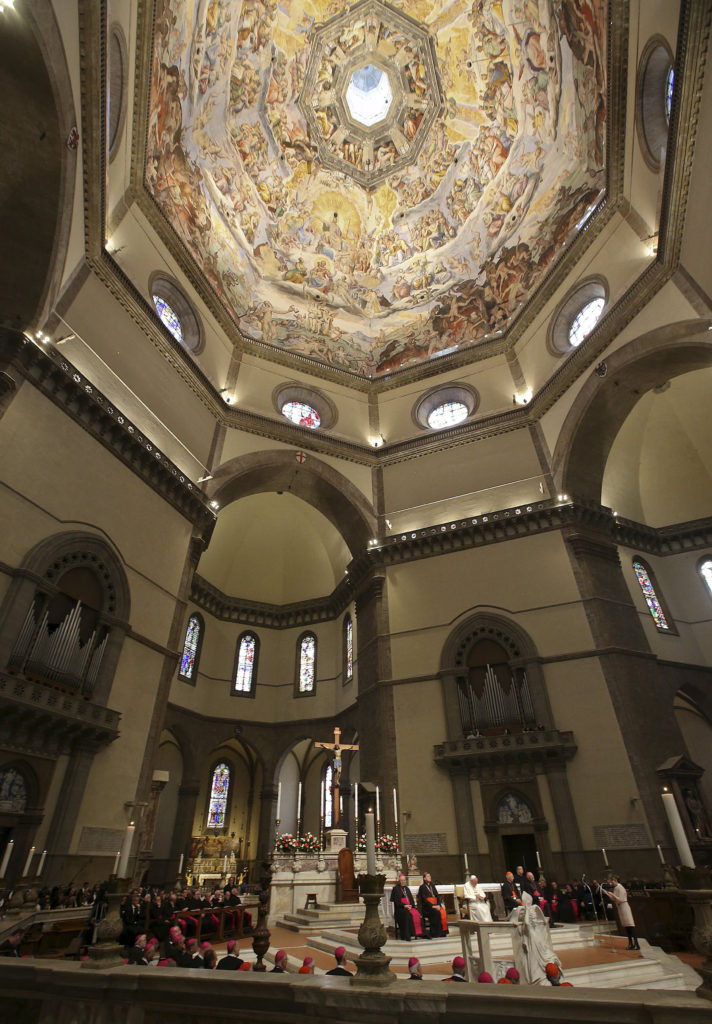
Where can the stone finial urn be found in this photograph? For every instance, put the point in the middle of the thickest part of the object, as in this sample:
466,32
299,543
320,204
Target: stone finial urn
106,951
373,964
696,886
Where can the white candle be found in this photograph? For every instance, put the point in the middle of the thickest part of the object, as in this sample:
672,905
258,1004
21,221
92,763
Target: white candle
279,799
322,799
6,858
677,829
116,861
42,860
180,865
378,805
538,859
126,850
605,857
356,801
28,862
661,855
370,844
467,866
225,864
299,802
395,806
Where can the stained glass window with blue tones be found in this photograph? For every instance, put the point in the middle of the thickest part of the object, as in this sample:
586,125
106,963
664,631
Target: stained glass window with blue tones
585,320
218,796
245,663
669,86
651,598
706,573
169,317
447,415
302,414
349,647
190,647
307,658
328,808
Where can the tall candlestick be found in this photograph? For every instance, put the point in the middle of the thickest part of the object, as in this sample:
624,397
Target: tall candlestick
321,805
395,806
370,844
299,801
677,829
126,850
6,857
378,805
42,860
116,862
356,801
28,862
467,866
538,860
225,864
279,799
180,865
661,855
605,858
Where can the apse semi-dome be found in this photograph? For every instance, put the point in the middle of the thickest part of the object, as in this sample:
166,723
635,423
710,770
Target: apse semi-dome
371,187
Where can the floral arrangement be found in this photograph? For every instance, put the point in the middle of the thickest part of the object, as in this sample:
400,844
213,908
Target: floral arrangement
309,843
387,844
361,843
287,843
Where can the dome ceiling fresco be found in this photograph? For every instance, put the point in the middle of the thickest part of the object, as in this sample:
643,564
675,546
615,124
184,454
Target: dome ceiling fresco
371,186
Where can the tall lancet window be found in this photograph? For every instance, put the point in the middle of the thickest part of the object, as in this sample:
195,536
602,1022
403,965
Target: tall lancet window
219,789
348,649
706,573
306,669
246,664
328,808
191,649
645,579
494,694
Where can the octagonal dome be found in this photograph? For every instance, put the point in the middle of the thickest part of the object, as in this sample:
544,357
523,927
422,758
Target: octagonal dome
370,248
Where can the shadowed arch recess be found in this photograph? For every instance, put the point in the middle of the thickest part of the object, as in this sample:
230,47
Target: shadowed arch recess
604,403
313,481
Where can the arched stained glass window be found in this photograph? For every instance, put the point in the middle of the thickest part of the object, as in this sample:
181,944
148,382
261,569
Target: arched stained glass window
246,663
191,648
328,808
348,649
169,317
669,87
651,598
307,663
706,573
220,786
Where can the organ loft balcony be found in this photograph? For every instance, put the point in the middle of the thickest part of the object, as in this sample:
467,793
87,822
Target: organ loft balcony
507,752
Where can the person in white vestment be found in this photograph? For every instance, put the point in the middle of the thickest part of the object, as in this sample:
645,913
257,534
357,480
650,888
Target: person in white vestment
476,900
532,944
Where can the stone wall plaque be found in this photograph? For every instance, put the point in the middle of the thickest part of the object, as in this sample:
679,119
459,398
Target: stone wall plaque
100,840
621,837
425,842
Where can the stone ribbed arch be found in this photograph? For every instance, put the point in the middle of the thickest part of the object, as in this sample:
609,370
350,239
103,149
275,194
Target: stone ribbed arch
522,652
320,485
604,403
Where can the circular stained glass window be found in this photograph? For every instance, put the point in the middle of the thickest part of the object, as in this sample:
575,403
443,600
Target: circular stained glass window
169,317
669,86
447,415
302,414
585,320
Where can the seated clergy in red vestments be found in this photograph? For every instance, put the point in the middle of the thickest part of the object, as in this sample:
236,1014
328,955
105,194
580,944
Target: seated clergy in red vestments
432,907
404,911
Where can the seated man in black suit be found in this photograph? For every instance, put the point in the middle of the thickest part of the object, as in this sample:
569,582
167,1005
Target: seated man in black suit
432,907
511,893
340,969
231,961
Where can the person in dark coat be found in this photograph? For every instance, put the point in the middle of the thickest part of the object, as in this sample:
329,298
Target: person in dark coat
511,895
11,945
231,961
280,962
432,908
340,969
404,911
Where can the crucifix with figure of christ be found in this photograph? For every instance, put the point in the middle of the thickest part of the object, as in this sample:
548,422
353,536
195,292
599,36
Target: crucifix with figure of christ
336,777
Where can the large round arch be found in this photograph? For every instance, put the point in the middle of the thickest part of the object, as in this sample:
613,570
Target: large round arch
604,402
321,486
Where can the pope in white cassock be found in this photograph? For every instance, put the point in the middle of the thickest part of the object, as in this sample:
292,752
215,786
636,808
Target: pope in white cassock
476,899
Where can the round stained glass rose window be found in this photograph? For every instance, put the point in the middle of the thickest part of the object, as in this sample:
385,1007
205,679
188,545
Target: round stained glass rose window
585,320
447,415
302,414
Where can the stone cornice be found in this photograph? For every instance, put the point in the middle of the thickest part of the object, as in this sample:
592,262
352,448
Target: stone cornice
57,379
526,750
609,532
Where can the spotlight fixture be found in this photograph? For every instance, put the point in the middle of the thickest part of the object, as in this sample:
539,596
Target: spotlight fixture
204,479
214,504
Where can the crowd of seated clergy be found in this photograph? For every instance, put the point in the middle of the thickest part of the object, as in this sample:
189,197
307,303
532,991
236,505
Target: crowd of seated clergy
198,913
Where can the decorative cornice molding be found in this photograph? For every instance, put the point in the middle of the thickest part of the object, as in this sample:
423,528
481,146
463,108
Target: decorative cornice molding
527,750
367,570
77,397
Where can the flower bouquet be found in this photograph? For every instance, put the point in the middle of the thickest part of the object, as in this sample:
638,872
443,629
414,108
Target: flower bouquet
287,843
309,843
387,844
361,843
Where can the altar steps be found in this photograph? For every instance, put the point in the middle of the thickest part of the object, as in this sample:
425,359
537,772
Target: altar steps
315,920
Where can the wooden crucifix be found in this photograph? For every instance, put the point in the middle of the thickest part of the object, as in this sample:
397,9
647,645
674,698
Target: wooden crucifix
336,766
